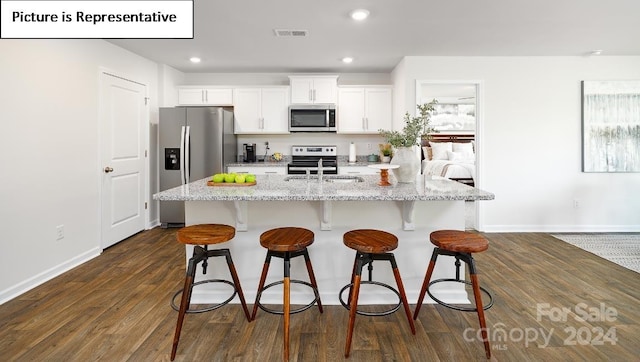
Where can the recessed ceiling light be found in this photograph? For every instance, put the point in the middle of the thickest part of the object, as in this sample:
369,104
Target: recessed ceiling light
195,60
359,14
347,60
596,52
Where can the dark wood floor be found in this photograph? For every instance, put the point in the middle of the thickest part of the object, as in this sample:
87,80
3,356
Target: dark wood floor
115,308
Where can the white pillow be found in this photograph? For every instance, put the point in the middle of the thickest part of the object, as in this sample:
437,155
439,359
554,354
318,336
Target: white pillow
465,148
460,157
455,156
440,149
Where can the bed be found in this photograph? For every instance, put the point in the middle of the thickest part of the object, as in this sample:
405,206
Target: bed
451,156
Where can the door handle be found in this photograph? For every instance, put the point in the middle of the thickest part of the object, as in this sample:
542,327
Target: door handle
108,169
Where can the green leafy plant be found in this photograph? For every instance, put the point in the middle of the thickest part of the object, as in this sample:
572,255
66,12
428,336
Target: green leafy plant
386,150
415,128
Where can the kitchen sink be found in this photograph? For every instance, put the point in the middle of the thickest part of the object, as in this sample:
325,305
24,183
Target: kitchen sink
326,178
343,179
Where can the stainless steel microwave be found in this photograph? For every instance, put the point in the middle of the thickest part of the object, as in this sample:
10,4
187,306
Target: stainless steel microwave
312,118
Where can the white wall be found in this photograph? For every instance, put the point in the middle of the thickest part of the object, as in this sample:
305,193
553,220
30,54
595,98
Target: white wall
50,147
532,141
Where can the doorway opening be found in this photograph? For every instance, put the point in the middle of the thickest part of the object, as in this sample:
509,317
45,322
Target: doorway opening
458,117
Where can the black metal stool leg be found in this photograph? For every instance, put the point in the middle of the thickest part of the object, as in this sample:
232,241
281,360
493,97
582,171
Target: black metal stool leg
425,284
353,275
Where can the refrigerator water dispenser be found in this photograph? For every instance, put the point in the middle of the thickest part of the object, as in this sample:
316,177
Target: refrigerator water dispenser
172,158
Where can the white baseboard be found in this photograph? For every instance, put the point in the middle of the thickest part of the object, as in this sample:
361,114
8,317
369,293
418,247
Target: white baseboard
47,275
152,224
561,228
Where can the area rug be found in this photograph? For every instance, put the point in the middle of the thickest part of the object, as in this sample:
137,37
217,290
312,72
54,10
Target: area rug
622,249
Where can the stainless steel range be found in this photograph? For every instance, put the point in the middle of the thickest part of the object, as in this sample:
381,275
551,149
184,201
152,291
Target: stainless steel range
306,158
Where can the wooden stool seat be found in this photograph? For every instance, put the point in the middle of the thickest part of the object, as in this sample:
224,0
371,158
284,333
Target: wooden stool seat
370,241
206,234
286,239
459,241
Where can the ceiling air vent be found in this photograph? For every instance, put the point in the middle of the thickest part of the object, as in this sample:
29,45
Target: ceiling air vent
290,32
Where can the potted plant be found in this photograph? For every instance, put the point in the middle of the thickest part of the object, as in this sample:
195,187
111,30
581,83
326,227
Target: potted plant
386,152
404,142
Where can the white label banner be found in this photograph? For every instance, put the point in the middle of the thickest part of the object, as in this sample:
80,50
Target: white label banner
124,19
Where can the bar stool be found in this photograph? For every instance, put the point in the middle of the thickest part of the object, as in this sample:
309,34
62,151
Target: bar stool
371,245
197,235
286,243
461,245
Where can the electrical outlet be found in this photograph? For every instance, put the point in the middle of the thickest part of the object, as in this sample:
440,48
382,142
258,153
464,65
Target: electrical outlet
577,203
59,232
369,146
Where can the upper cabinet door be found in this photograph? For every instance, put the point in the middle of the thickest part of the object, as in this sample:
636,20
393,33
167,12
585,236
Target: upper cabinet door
351,115
246,110
261,110
205,96
325,90
378,109
313,89
275,110
187,96
364,110
219,96
301,90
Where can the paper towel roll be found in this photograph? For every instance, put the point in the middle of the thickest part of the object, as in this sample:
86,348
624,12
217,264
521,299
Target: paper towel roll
352,152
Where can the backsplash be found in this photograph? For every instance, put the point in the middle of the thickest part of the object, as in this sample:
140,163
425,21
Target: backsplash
365,144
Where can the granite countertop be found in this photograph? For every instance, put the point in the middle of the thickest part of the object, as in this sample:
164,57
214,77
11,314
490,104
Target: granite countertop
277,188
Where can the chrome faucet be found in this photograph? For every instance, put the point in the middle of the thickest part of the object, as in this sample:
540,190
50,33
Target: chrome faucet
320,170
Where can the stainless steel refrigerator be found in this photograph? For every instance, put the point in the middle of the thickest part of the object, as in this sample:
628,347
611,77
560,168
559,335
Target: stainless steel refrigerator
195,142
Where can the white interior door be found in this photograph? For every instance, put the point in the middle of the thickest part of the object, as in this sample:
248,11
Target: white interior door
122,116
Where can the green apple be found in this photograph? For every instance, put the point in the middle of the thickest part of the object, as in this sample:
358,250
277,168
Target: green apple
250,178
230,177
240,178
219,177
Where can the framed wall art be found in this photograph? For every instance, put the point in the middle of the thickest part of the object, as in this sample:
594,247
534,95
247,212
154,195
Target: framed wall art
611,126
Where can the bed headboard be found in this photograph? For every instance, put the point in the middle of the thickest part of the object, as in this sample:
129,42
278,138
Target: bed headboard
449,137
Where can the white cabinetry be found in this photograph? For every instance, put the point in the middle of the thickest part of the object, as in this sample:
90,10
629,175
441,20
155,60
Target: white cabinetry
313,89
205,96
364,110
357,170
259,170
261,110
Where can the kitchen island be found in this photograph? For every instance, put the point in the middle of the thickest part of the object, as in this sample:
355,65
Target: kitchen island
329,207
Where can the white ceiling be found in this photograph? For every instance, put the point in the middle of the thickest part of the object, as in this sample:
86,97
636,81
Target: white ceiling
237,35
